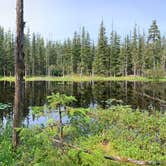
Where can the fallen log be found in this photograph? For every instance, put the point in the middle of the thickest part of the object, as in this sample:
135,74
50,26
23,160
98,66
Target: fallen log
113,158
128,160
151,97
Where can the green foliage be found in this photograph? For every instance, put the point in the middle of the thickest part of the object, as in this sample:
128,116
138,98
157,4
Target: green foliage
38,110
101,60
80,121
7,154
115,57
116,131
56,100
5,106
155,74
154,57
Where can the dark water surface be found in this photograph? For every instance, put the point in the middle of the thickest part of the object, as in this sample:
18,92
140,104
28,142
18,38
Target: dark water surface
146,96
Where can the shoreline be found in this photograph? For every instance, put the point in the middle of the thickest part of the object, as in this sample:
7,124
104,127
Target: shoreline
85,79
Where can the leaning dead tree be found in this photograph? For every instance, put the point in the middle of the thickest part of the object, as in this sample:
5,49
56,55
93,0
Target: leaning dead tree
19,69
113,158
129,160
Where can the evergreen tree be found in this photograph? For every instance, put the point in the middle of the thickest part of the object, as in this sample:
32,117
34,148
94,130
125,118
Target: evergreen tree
128,56
2,62
141,54
90,52
115,56
27,53
79,55
86,54
67,57
83,65
134,51
101,61
33,55
51,58
154,46
9,53
76,51
163,53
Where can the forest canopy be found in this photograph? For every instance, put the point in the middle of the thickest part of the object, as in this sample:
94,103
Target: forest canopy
135,54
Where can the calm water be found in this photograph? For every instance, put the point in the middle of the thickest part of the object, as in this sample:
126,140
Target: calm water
88,94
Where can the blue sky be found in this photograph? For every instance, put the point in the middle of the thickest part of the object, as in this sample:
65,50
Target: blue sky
58,19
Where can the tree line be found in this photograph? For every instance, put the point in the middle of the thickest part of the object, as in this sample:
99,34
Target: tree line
112,55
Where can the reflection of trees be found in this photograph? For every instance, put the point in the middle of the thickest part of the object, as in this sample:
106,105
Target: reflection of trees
101,93
82,91
156,90
6,92
109,90
85,93
6,96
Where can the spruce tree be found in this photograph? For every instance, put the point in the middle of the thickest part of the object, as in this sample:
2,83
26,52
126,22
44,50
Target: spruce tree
67,57
115,56
27,52
2,62
76,51
154,45
134,51
101,60
33,55
9,53
141,54
128,56
89,52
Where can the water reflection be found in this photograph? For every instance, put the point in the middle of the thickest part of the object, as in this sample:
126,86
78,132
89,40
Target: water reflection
18,109
88,94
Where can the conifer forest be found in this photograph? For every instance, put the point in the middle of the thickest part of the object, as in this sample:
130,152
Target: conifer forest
112,55
93,98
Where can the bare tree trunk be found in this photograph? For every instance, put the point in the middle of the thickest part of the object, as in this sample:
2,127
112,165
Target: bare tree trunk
18,109
19,70
60,125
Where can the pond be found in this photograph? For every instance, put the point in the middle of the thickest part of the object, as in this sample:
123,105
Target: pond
143,95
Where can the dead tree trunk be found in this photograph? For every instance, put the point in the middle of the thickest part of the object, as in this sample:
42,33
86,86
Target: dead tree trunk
19,57
19,69
60,124
128,160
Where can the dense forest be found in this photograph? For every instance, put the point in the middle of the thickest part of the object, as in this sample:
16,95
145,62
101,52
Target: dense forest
113,55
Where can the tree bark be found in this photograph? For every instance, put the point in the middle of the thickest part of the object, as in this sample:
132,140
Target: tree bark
60,124
19,70
128,160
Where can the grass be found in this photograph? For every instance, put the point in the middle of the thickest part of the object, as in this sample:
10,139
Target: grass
77,78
